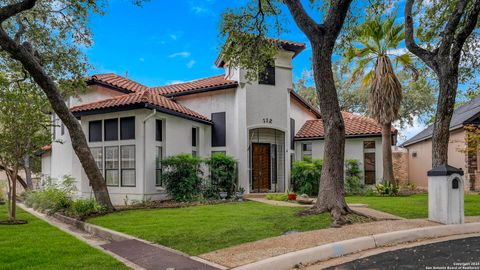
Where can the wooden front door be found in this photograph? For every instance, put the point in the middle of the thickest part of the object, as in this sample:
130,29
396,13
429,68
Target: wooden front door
260,167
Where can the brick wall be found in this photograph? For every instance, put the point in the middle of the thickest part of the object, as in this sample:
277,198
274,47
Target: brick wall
400,164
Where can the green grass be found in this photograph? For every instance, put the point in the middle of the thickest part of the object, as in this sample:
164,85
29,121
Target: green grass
201,229
415,206
38,245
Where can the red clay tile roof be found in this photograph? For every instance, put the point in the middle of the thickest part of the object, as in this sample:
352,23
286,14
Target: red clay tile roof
355,126
211,83
147,98
116,81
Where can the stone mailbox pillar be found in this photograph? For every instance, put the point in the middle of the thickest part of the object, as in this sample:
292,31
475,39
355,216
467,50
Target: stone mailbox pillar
445,195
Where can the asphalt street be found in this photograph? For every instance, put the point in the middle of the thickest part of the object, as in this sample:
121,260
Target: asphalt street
454,254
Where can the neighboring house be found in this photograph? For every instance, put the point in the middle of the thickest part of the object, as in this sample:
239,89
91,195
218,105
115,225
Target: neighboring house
264,125
459,155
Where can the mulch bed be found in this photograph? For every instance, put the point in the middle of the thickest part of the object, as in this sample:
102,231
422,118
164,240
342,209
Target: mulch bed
14,222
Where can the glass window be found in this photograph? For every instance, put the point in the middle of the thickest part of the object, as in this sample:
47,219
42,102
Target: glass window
127,128
369,145
158,167
158,130
95,131
128,165
111,165
219,129
306,150
194,136
62,129
369,168
111,129
267,76
97,153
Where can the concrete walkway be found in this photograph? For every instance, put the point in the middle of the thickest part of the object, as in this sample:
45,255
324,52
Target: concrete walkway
135,253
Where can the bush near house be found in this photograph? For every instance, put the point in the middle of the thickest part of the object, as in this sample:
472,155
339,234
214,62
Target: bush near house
54,198
182,176
185,179
305,176
223,173
353,179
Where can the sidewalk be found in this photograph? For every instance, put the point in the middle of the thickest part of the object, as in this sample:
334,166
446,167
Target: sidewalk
135,253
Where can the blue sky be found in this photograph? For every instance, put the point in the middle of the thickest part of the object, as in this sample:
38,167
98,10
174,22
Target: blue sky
166,42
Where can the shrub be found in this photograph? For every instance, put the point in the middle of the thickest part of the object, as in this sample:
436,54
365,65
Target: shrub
223,174
277,197
182,176
353,176
84,207
53,197
306,176
387,189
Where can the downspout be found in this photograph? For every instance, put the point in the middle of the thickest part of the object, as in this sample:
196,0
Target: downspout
145,149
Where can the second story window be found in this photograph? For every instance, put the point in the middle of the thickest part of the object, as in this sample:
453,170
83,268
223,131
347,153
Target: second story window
306,150
158,130
127,128
111,129
95,131
267,76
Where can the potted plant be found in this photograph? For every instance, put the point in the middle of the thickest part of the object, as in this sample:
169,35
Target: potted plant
291,196
223,194
239,193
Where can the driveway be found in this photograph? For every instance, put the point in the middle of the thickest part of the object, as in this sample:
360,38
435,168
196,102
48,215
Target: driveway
453,254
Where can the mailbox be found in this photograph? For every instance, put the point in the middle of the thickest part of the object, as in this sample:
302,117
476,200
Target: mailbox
446,195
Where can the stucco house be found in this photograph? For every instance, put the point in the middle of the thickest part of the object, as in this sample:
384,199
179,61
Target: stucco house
264,125
460,153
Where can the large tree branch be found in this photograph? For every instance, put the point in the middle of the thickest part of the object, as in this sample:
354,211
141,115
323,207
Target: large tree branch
9,11
451,27
303,20
336,17
19,178
426,55
470,23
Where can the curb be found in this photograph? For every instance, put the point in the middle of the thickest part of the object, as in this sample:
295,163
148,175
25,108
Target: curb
338,249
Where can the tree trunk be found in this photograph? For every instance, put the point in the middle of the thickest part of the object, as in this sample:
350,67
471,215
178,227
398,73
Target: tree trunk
28,171
448,82
79,142
387,154
331,195
19,178
13,196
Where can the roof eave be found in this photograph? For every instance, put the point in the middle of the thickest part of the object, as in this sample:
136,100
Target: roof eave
201,90
346,136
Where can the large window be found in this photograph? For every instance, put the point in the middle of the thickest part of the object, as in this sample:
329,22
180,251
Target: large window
127,128
306,150
218,129
267,76
95,131
97,153
292,133
158,130
128,165
158,167
111,129
111,165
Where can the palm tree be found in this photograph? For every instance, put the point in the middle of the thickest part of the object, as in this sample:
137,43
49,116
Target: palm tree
377,40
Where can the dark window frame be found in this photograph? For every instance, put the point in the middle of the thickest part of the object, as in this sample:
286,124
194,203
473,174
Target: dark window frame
97,137
134,169
219,129
107,122
124,129
195,137
267,77
159,130
158,166
116,169
292,134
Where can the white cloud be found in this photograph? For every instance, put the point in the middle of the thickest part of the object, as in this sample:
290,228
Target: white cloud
141,59
398,51
173,36
191,63
175,82
199,7
180,54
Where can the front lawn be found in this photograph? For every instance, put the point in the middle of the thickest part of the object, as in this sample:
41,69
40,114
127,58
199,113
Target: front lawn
38,245
201,229
414,206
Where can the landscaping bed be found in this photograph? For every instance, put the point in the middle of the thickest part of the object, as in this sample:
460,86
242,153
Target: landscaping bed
414,206
41,246
201,229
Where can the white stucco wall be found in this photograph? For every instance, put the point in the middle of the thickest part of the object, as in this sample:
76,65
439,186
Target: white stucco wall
353,150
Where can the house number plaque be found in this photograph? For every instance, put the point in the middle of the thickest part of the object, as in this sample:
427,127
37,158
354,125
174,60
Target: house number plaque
267,120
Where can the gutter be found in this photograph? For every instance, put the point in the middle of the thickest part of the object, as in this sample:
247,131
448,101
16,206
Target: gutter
145,148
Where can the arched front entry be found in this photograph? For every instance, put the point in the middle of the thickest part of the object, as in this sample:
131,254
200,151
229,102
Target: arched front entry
267,160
